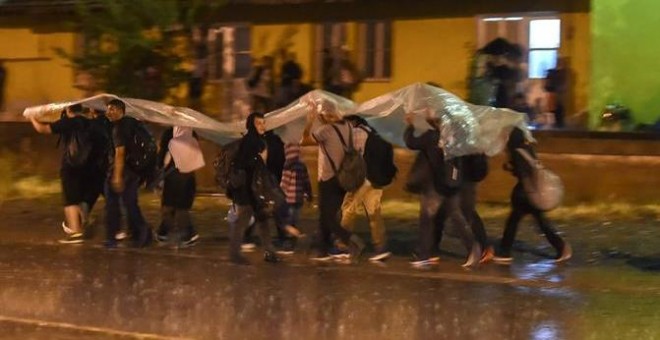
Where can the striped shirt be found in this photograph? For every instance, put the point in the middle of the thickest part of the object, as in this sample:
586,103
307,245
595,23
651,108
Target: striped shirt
295,178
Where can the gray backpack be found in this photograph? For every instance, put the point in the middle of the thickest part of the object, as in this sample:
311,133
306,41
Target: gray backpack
353,170
544,188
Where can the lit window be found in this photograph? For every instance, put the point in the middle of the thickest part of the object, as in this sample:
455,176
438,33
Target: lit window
539,35
544,40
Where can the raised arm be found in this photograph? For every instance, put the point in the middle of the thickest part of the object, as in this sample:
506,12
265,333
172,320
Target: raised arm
40,127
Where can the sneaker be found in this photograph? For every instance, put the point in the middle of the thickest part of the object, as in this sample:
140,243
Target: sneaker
380,256
434,259
356,248
121,235
421,263
473,257
322,257
565,254
286,247
191,241
502,259
271,257
75,238
248,247
161,238
66,229
338,254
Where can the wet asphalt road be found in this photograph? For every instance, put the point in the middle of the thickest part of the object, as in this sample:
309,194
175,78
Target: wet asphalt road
52,291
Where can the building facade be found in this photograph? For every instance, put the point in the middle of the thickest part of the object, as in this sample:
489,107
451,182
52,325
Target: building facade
393,43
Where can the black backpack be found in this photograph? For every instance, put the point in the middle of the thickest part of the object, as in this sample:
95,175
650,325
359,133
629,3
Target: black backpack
475,167
141,151
78,145
223,166
268,195
352,171
379,157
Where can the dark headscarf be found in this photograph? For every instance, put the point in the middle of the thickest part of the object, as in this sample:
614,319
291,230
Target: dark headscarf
252,143
516,139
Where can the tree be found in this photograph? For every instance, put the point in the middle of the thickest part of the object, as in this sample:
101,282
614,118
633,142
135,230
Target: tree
136,48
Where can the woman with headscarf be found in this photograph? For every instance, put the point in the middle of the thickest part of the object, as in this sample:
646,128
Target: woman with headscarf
521,206
252,154
180,155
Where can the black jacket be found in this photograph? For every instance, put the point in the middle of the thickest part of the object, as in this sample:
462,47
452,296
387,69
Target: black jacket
432,155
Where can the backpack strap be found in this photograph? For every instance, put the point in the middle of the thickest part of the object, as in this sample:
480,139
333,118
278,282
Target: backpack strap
341,138
529,158
349,146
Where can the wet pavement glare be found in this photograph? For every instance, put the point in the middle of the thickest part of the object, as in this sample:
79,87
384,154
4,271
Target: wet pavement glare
52,291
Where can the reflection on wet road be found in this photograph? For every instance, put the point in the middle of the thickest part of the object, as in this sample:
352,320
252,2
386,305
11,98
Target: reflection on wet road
90,292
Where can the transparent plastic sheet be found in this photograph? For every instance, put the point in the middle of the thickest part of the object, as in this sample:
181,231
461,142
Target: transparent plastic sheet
289,122
146,110
465,128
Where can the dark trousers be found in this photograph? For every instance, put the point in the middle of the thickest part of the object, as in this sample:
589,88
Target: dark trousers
430,227
468,202
236,229
451,211
129,198
95,179
281,217
177,219
520,207
331,197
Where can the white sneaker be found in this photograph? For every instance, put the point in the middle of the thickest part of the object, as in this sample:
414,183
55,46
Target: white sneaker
381,256
248,247
121,235
321,258
502,259
66,229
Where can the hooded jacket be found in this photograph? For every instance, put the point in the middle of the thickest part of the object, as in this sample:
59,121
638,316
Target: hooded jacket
246,159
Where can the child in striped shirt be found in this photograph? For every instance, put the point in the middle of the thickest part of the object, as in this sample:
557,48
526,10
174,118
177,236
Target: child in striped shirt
295,183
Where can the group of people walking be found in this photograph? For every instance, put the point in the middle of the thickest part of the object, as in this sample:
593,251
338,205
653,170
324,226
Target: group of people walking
113,155
268,184
447,189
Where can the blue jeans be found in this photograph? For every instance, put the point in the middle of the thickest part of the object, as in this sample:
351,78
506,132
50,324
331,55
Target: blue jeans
129,198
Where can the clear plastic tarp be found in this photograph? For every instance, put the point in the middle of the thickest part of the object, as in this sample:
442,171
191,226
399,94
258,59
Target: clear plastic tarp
150,111
465,128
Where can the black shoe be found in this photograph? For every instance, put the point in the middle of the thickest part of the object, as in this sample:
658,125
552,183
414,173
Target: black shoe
144,240
271,257
110,244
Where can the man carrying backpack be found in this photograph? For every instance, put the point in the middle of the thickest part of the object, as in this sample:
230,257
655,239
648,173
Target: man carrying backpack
334,138
378,155
77,148
249,162
123,180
